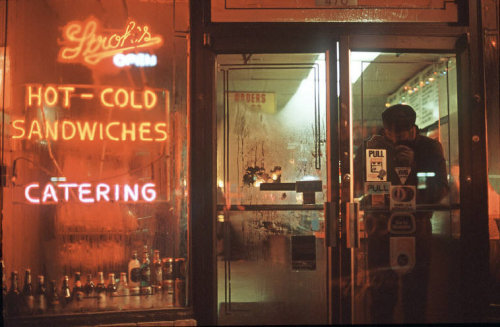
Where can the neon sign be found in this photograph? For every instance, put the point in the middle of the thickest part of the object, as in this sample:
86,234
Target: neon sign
88,43
110,97
136,59
88,193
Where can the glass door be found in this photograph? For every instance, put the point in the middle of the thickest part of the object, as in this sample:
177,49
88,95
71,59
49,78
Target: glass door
400,193
272,185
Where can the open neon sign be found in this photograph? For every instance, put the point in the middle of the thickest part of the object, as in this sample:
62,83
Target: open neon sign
88,43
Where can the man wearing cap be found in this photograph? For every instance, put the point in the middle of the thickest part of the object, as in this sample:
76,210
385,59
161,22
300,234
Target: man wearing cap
404,148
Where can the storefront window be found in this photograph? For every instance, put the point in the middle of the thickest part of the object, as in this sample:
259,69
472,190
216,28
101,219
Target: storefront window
95,158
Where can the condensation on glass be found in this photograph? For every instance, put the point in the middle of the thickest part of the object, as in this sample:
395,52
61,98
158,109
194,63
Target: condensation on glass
95,148
271,183
407,260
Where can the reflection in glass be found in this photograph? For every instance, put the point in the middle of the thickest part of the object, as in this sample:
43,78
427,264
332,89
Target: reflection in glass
271,180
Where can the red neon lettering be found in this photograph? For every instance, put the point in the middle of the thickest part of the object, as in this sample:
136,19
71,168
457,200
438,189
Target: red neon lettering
49,192
103,101
66,90
66,187
123,103
83,190
49,96
148,192
84,42
150,99
129,192
159,129
117,192
144,128
85,131
87,193
112,138
65,124
38,96
20,128
102,191
27,193
132,101
35,129
130,131
51,132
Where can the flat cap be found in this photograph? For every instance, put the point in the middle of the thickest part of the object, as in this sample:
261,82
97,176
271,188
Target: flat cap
401,117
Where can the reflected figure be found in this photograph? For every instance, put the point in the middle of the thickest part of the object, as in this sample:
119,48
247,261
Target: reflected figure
422,156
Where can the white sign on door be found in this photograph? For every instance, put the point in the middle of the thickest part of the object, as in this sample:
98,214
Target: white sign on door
376,165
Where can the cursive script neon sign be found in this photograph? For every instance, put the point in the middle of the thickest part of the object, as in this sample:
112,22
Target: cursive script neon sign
88,43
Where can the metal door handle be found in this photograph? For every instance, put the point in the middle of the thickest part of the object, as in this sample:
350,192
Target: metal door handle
331,218
352,225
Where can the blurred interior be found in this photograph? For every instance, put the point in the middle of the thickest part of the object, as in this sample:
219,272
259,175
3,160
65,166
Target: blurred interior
62,238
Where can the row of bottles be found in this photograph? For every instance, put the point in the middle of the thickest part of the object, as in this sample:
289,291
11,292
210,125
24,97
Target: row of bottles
159,284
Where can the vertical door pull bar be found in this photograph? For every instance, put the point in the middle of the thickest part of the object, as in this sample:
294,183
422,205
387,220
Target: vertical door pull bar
331,219
352,225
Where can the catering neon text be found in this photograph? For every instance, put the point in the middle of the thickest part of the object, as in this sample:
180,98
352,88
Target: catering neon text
89,193
89,43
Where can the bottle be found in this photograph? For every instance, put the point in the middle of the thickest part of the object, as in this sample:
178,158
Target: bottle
13,296
53,297
145,274
168,269
78,288
157,272
180,268
65,292
168,292
40,296
100,287
89,287
134,274
112,287
122,288
100,291
180,282
123,292
28,297
180,292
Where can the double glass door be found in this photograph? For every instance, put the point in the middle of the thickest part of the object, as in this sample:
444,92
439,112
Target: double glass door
305,233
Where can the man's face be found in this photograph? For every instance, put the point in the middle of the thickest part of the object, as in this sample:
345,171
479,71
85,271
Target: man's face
397,136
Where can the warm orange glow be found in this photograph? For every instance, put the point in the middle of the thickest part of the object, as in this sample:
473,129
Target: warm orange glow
90,131
88,43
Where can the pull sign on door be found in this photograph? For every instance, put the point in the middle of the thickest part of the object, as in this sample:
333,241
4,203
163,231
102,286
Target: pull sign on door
376,165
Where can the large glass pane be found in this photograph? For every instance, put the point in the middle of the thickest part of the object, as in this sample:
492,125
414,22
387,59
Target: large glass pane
271,172
406,182
95,152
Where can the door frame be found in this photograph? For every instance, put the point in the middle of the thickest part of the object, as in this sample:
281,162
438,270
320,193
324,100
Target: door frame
474,248
209,39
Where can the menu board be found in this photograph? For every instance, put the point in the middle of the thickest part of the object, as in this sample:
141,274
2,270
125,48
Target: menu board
423,91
